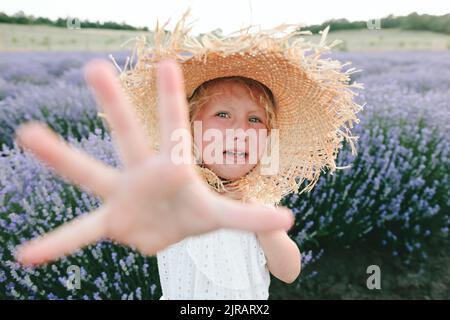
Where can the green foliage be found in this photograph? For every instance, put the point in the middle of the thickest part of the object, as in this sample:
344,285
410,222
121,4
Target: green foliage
21,18
342,274
412,21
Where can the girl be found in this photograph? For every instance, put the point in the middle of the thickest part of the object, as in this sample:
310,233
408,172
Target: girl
216,227
229,264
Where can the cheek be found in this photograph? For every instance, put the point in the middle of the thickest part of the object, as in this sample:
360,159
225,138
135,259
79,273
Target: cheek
257,145
258,138
262,139
212,124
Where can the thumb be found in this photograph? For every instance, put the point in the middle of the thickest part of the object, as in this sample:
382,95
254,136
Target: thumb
252,217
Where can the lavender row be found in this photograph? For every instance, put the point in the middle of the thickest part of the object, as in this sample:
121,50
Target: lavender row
48,87
395,196
34,200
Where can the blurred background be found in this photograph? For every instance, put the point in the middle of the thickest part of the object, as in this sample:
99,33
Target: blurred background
389,210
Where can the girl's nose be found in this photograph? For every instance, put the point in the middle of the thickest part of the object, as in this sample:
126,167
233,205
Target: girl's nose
240,133
241,124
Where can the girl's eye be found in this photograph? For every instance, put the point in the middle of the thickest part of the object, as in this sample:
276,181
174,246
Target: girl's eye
257,120
222,114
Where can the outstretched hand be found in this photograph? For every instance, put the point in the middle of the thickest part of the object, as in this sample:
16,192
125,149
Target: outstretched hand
151,203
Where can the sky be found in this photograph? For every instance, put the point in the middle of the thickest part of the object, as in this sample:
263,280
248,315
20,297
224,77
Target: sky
229,15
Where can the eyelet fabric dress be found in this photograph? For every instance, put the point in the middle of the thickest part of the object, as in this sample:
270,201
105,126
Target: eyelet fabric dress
222,264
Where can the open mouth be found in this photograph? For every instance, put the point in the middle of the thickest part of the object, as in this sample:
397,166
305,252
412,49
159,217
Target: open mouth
235,154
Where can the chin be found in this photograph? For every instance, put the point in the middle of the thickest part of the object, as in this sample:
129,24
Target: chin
230,172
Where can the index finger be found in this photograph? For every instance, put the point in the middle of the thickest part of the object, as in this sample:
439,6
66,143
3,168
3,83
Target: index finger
253,217
67,160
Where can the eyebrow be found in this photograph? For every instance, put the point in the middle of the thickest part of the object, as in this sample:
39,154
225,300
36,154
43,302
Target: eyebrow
253,110
258,110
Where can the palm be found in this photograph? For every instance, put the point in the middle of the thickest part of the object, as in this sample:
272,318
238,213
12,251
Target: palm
153,202
156,214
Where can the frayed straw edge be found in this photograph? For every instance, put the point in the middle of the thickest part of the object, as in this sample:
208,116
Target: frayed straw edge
325,71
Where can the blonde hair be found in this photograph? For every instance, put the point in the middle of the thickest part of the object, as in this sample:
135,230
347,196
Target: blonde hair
264,97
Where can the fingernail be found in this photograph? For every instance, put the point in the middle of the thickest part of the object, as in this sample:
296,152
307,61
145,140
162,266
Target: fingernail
23,133
291,219
165,76
18,255
20,134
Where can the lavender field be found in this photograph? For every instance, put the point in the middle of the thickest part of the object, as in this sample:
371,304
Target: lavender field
394,199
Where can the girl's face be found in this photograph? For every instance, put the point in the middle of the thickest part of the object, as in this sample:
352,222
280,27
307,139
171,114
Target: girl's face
232,113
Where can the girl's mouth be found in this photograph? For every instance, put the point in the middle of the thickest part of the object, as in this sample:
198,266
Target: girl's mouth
235,155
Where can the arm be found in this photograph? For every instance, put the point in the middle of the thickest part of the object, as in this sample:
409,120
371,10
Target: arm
282,254
150,186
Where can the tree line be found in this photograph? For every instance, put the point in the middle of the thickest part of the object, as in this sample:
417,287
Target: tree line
412,21
22,18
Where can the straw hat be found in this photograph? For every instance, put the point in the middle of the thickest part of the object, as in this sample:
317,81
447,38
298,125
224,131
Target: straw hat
314,101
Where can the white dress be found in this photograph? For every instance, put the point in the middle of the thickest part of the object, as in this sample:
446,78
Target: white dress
222,264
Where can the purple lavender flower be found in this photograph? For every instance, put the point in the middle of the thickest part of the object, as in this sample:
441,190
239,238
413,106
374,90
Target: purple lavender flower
396,192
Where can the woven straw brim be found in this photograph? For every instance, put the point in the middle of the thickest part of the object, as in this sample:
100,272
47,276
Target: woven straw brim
314,100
